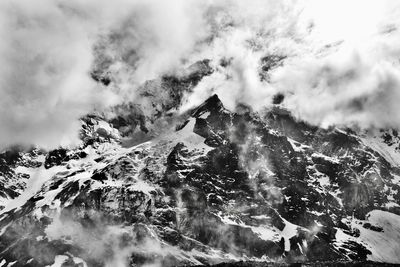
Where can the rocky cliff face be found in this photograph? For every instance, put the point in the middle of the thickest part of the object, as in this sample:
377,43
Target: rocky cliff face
209,186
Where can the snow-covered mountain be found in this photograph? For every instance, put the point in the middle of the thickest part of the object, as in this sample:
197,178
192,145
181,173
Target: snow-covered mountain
206,186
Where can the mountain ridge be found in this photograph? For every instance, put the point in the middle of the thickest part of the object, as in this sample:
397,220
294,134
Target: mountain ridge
222,187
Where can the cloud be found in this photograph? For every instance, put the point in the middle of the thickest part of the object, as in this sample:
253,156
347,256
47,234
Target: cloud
44,81
352,82
49,49
340,60
243,34
348,91
48,52
151,42
340,64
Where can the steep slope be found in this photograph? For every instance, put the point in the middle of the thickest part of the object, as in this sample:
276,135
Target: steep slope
214,186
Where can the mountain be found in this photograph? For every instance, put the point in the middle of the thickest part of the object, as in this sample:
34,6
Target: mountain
149,187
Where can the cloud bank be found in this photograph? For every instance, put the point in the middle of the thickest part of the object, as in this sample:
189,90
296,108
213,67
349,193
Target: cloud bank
339,67
340,62
49,49
352,80
44,86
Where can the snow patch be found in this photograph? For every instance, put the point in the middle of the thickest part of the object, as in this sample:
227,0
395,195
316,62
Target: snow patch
387,152
384,245
189,138
59,260
298,147
38,176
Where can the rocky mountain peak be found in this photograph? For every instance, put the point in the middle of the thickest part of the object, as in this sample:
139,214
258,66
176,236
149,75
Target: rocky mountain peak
222,187
212,105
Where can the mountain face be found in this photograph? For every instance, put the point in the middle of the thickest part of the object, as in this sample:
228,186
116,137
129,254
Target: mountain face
209,186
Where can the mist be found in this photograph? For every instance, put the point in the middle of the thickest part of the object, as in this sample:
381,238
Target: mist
49,49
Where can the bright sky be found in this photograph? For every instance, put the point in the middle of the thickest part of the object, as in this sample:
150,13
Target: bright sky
350,20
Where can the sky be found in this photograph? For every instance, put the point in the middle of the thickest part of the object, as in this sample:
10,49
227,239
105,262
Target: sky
341,65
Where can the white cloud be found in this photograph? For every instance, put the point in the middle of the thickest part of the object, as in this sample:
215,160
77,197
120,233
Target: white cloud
341,65
44,81
47,53
356,81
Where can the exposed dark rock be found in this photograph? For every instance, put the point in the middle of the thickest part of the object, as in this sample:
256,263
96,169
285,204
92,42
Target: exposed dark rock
56,157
